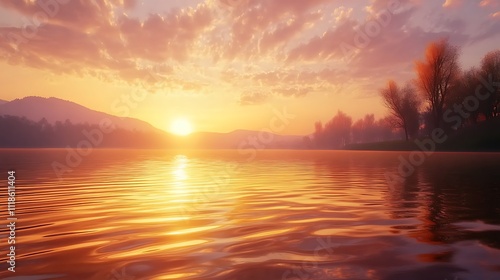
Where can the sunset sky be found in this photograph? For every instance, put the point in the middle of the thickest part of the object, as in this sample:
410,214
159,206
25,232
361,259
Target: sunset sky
225,64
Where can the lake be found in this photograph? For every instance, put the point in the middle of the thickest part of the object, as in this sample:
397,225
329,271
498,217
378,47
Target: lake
155,214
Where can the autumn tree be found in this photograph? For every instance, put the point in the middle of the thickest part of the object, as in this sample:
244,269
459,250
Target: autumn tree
436,75
403,104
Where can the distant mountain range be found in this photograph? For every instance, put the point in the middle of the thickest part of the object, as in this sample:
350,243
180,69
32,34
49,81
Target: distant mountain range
53,109
57,110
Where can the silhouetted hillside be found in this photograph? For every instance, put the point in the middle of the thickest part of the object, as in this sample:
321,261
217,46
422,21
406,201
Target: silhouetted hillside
54,109
481,137
484,136
19,132
52,122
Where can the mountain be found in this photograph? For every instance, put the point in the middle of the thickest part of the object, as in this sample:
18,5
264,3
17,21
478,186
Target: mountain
3,101
53,109
141,134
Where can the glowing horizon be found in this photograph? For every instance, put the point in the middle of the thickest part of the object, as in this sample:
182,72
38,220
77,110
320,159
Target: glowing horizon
181,126
226,65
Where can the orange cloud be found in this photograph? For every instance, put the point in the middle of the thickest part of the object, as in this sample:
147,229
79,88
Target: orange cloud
489,3
255,48
452,3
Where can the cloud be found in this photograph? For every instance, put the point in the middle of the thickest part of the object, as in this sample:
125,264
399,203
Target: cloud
342,13
493,6
352,39
489,3
286,31
393,5
253,98
253,48
88,37
488,30
452,3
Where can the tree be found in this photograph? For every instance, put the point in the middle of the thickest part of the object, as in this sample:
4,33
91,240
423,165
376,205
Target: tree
306,142
436,74
338,130
490,71
358,131
335,134
385,129
319,135
365,130
465,87
403,104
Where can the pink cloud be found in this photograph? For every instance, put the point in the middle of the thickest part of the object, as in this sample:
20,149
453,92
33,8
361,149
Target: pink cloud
86,37
253,47
380,5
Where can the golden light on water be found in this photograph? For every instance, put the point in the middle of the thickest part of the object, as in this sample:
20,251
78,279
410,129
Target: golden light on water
179,176
325,208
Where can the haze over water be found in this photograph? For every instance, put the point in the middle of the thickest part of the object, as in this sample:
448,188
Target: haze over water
154,214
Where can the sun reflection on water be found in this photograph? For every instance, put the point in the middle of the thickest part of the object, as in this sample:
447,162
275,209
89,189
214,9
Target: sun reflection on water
171,215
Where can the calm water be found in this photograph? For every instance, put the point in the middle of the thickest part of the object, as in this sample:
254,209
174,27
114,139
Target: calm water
127,215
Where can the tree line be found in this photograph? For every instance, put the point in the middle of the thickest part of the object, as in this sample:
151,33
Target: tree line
341,131
442,95
20,132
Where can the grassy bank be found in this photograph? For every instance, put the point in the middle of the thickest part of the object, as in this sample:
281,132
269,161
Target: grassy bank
484,137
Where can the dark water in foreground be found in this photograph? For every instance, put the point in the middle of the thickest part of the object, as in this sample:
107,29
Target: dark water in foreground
285,215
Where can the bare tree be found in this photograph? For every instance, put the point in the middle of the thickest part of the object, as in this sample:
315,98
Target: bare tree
466,86
403,104
436,74
490,69
386,129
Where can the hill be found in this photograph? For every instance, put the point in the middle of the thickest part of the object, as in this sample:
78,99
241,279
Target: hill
54,109
52,122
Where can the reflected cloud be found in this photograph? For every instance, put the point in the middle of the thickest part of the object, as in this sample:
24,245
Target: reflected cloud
323,214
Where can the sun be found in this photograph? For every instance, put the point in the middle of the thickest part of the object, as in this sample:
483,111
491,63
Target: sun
181,127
